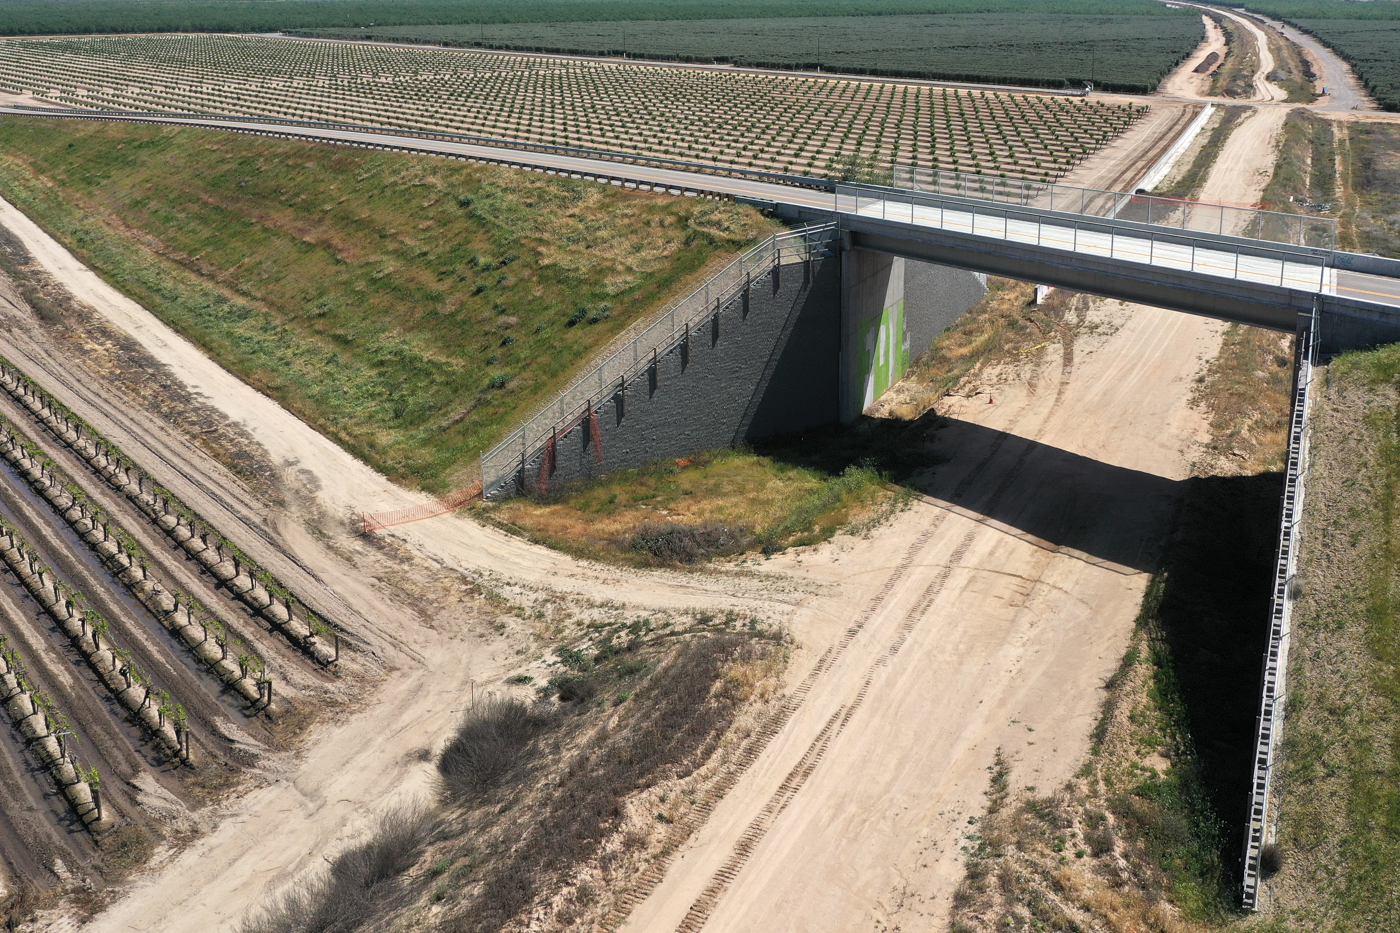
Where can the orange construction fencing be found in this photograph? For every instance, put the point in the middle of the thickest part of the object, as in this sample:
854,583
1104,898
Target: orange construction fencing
373,521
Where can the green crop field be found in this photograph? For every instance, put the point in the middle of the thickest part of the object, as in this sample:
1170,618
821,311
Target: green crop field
49,17
786,123
1123,53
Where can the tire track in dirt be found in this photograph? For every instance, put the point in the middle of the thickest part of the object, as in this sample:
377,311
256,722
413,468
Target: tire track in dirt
704,905
709,898
651,876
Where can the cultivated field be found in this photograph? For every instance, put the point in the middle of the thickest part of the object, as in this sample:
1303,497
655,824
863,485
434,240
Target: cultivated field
1120,53
146,663
784,123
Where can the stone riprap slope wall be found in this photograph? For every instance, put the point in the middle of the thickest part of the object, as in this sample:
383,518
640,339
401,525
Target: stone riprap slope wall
767,363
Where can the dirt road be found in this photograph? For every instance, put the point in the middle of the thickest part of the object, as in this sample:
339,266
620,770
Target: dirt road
1026,567
1184,81
1245,162
1344,91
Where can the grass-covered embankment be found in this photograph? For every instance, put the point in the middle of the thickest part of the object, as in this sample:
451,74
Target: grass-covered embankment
1371,163
410,307
1339,772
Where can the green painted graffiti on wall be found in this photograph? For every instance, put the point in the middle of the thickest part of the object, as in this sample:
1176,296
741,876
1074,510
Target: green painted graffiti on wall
884,352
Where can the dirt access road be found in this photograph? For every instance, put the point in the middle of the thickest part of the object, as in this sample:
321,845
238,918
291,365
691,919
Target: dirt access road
1018,581
1345,93
1023,569
993,608
1184,81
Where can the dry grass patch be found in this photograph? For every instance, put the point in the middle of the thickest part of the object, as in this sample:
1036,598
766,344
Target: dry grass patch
1245,391
713,504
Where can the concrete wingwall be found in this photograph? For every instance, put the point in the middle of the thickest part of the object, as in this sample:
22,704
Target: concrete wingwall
776,360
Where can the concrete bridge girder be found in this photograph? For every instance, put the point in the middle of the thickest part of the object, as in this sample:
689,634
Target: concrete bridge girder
1344,323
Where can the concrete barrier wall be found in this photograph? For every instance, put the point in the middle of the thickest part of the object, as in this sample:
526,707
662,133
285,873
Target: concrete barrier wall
768,363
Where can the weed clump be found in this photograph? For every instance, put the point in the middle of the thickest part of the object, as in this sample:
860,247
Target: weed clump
491,743
361,886
681,712
687,544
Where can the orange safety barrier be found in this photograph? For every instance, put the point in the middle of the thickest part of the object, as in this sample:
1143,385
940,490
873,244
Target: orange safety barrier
378,520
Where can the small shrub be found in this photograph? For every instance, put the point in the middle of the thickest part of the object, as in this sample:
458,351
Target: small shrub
489,746
361,886
574,689
499,380
687,544
1270,860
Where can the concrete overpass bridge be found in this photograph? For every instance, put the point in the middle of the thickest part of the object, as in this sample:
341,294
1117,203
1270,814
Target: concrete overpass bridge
898,246
808,327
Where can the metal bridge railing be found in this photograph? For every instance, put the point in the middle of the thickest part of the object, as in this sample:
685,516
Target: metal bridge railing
1273,687
500,463
1169,247
1304,230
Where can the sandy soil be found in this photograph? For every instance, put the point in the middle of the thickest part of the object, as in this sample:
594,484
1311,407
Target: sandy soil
1028,564
1184,81
1245,163
1122,163
1264,89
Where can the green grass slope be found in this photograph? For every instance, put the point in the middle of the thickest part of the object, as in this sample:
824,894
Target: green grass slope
410,307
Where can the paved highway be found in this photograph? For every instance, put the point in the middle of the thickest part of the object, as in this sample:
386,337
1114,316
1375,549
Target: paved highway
1060,235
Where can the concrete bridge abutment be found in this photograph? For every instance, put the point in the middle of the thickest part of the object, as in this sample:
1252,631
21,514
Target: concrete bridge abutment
807,344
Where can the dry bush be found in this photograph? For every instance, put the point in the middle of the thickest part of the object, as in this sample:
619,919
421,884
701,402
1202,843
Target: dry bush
687,544
490,744
677,719
362,886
